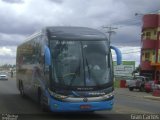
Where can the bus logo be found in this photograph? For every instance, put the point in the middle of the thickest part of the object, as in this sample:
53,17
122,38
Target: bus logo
85,99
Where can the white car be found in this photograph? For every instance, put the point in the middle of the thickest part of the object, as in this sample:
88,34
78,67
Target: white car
3,76
129,81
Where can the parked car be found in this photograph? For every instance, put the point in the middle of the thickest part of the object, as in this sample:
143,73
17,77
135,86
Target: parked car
3,76
151,85
138,83
129,81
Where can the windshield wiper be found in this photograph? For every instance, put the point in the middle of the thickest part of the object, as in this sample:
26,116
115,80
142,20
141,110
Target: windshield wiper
76,73
89,71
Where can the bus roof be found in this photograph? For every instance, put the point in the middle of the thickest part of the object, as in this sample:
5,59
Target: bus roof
75,33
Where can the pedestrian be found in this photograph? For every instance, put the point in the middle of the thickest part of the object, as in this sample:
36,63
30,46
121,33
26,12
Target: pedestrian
11,73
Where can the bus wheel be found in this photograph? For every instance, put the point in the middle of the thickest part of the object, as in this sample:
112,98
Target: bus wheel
21,89
43,104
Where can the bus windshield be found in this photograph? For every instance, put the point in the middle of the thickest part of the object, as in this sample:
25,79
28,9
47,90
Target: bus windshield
80,63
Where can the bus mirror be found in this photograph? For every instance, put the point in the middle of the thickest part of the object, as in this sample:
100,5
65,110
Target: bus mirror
47,56
118,54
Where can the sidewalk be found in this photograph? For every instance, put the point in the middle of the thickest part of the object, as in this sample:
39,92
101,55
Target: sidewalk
136,94
152,97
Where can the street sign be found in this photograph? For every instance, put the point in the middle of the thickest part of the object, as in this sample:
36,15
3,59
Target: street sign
125,69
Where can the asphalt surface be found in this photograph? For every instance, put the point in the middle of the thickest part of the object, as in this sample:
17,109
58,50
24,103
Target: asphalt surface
126,103
135,102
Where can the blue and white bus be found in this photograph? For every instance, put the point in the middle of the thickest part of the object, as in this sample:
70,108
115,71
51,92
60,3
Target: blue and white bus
67,69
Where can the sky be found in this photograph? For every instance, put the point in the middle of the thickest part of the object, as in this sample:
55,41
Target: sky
21,18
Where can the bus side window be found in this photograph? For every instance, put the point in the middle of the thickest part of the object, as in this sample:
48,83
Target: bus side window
29,56
36,52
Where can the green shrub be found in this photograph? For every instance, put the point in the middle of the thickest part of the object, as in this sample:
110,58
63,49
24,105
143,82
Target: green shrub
117,83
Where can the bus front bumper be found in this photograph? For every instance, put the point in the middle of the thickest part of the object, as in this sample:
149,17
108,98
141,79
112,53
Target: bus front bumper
58,106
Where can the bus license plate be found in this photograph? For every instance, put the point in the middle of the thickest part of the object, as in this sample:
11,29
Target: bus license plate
85,106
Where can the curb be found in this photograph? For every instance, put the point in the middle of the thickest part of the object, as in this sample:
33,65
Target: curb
152,97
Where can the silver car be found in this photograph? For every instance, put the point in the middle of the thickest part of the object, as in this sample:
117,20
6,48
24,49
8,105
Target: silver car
3,76
138,83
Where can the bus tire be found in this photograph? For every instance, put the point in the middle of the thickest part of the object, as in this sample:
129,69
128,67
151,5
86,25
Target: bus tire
21,89
44,107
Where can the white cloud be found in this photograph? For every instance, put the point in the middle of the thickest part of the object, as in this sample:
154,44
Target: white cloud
7,51
129,54
20,20
7,55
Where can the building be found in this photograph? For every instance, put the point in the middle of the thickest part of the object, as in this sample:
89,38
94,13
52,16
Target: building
150,50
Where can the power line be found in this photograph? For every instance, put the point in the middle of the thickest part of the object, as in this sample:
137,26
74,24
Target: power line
132,41
131,52
154,11
131,21
137,47
128,47
135,21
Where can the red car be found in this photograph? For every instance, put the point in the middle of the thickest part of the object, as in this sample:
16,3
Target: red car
149,86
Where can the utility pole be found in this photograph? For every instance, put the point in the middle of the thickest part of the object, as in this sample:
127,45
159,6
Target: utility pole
110,31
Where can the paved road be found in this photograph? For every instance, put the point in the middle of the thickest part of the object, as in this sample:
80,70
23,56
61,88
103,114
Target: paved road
135,102
12,103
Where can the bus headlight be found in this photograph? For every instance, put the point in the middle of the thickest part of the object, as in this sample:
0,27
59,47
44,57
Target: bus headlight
57,96
109,95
